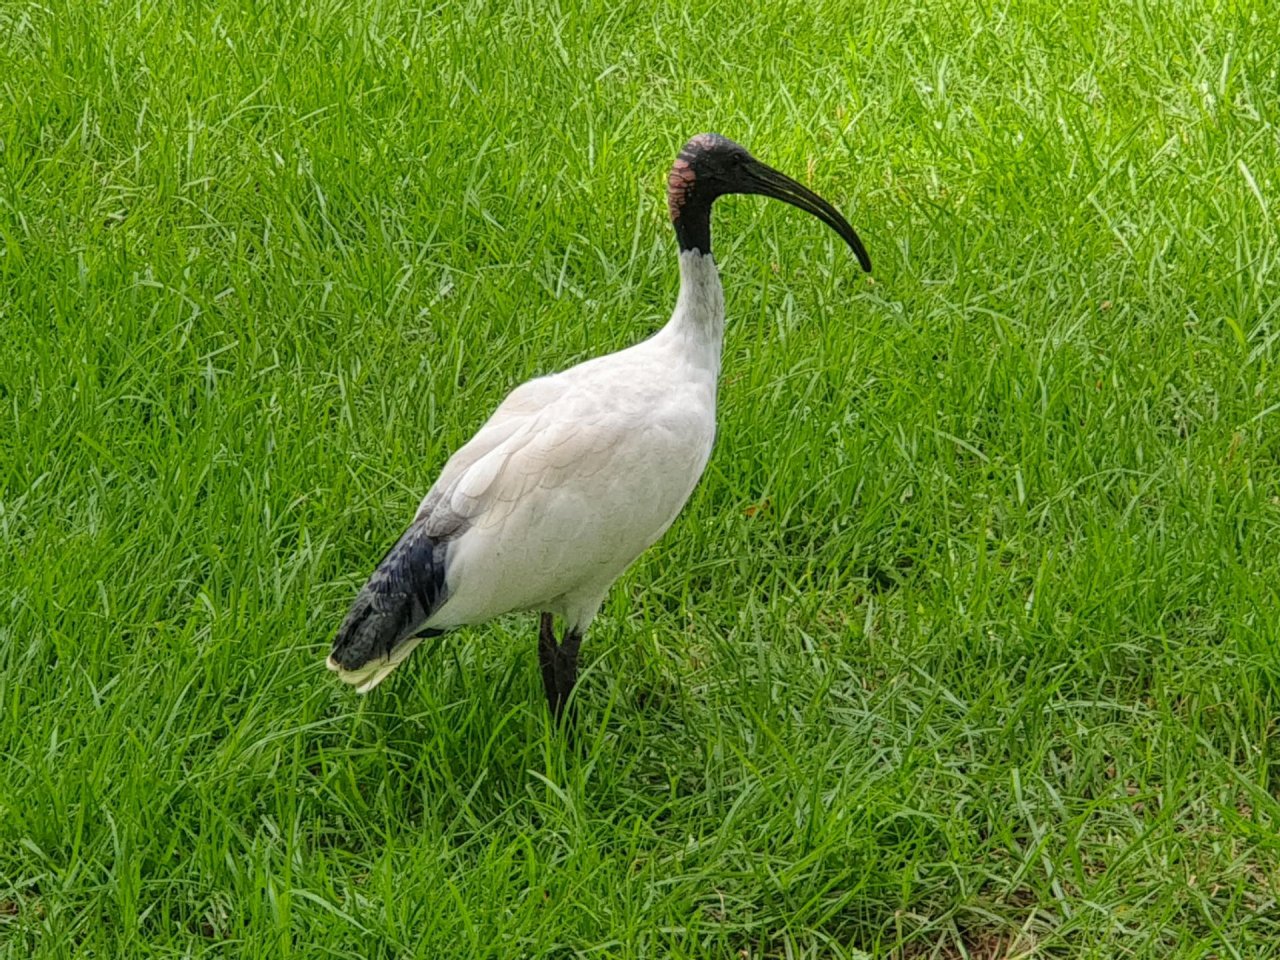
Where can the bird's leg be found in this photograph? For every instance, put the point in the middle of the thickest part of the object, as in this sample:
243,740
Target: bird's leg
547,659
566,668
559,663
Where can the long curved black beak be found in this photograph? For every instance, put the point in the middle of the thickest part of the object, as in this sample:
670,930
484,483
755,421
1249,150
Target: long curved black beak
760,178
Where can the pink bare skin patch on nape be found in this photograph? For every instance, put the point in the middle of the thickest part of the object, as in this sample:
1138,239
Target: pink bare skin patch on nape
679,182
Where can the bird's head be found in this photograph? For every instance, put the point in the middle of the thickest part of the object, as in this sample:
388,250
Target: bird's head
710,166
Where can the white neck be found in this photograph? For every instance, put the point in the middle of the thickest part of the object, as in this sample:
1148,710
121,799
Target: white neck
696,327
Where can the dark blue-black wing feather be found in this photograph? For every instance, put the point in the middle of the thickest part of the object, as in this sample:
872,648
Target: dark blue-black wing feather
405,589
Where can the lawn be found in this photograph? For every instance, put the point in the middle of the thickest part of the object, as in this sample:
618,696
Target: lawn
968,643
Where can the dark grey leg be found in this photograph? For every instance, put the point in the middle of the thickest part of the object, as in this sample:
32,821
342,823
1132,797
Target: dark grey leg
547,659
566,669
559,663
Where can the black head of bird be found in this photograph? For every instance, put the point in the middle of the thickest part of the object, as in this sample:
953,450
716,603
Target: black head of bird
710,166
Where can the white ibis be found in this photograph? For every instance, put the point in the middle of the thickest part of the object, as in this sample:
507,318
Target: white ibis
576,473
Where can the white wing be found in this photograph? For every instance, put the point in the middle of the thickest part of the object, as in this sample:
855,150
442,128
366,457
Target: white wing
455,497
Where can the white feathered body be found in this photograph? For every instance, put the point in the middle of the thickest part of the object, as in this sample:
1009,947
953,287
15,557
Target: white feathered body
577,473
566,484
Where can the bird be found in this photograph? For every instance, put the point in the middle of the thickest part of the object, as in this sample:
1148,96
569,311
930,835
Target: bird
576,473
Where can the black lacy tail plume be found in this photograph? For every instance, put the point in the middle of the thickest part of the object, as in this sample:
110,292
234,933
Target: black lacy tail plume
405,589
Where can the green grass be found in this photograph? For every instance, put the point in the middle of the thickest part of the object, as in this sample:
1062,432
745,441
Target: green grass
966,645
